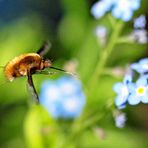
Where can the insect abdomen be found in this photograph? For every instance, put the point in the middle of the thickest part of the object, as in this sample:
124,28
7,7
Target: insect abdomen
18,66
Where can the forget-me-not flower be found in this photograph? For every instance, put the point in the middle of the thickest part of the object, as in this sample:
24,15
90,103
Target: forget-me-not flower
101,7
122,90
139,91
101,33
120,119
141,67
139,34
120,9
63,98
136,92
140,22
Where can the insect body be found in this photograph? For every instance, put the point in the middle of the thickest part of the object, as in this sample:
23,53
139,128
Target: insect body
21,65
26,65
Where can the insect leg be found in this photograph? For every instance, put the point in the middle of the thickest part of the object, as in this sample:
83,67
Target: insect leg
31,87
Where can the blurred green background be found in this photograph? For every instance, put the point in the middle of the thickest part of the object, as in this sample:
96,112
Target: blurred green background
69,26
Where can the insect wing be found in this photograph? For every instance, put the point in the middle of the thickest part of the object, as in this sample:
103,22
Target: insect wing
44,49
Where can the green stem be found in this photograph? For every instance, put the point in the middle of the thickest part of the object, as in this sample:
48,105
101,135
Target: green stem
103,58
80,125
111,19
126,40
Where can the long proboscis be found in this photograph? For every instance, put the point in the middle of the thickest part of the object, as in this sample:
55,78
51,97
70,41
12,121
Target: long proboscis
62,70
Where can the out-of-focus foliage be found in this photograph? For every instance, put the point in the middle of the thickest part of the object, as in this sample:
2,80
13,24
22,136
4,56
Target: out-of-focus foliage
42,130
71,29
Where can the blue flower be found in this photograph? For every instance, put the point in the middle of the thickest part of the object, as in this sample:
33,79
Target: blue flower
120,120
140,22
63,98
101,33
139,36
122,90
122,9
100,8
141,67
139,91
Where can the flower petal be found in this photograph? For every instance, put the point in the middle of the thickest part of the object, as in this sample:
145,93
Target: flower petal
144,99
133,100
127,79
131,87
119,101
118,87
142,81
127,15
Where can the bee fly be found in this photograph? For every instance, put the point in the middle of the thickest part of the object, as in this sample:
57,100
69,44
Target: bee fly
27,65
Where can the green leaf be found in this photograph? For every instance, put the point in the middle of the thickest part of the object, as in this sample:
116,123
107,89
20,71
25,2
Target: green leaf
39,128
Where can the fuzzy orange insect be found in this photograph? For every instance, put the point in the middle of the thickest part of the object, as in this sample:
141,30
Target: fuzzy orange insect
28,64
25,63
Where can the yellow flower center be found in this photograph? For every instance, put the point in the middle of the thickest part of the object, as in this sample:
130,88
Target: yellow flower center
140,90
